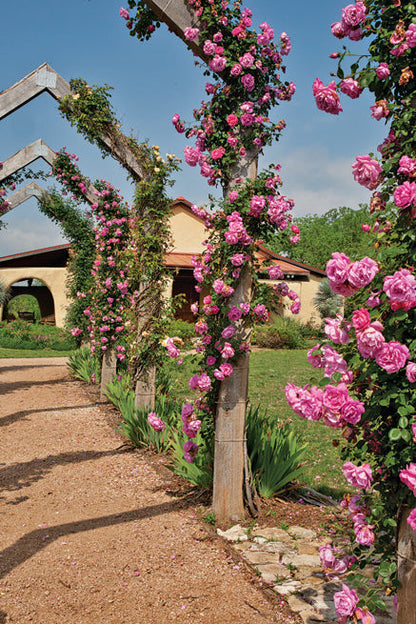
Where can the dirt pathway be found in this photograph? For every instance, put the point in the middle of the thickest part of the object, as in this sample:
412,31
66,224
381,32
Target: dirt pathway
89,533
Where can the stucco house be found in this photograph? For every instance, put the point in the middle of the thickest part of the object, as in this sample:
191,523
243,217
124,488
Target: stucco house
188,232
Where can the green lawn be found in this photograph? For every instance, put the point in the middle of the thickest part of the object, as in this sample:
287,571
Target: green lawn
270,371
32,353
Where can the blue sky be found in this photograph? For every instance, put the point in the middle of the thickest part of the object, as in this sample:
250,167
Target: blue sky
155,79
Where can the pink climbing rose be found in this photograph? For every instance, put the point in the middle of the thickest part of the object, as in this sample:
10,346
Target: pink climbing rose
405,194
359,476
383,71
345,602
351,87
366,171
408,476
326,97
392,356
401,289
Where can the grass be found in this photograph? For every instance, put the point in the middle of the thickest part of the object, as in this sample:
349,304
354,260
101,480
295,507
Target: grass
270,371
31,353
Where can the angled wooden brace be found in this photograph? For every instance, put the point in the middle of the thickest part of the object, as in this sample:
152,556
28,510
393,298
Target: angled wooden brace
45,79
30,153
25,156
30,190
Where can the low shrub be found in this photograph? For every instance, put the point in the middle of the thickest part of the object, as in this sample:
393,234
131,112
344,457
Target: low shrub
274,451
135,425
183,330
200,472
284,333
21,334
85,366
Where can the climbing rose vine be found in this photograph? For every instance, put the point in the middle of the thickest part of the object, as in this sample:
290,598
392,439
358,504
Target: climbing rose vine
369,365
231,127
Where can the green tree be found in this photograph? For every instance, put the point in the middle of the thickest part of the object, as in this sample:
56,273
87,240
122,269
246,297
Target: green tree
338,229
326,301
24,304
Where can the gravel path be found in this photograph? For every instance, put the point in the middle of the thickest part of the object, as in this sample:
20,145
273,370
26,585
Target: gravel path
91,533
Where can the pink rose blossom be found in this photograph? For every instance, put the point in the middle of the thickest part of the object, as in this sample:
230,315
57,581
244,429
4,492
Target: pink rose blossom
401,289
361,319
124,14
408,476
370,341
411,35
191,33
345,602
275,272
354,14
350,87
337,269
337,329
411,372
411,519
247,119
234,313
236,69
232,120
227,351
326,97
247,60
405,194
228,332
364,534
218,153
392,356
366,172
362,272
359,476
190,451
334,397
257,203
218,63
248,82
383,71
209,47
380,110
352,411
339,30
407,165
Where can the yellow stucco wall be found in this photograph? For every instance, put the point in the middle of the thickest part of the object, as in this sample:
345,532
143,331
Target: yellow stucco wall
187,230
306,292
53,278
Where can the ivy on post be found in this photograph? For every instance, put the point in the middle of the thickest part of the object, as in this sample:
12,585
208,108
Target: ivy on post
230,131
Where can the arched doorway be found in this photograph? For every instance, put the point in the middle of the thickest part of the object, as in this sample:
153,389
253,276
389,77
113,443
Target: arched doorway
21,297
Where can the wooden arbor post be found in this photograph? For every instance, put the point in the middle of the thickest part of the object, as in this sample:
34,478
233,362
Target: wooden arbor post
230,416
406,551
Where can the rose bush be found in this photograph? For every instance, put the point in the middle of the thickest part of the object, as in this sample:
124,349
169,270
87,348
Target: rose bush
381,345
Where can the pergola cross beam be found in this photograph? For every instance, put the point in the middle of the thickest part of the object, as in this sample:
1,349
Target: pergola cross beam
19,197
45,79
27,155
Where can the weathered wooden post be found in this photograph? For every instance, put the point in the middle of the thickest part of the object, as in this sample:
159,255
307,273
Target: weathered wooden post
108,371
406,552
230,415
